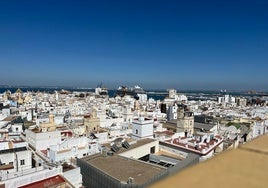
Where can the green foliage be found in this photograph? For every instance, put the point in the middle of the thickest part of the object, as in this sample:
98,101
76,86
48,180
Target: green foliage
237,125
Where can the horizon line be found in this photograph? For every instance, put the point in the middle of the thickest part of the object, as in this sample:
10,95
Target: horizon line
148,89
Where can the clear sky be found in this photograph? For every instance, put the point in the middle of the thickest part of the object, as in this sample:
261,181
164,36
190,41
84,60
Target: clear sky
183,44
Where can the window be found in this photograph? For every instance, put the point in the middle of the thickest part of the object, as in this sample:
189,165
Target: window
17,129
136,131
22,162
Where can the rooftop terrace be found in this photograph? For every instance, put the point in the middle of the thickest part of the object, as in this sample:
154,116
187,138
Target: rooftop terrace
243,167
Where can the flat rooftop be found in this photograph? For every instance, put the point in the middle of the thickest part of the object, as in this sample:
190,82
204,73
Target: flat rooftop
204,126
122,168
10,118
243,167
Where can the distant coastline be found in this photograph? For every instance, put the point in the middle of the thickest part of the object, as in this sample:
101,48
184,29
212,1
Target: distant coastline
157,94
148,90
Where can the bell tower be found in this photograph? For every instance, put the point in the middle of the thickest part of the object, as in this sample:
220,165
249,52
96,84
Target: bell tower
185,122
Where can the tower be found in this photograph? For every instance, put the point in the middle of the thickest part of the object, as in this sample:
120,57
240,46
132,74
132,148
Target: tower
172,112
127,114
172,93
185,122
92,122
56,95
142,128
51,118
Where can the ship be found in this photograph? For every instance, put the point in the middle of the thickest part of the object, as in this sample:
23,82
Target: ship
100,90
137,92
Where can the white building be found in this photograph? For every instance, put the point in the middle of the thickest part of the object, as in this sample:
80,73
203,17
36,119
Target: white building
120,129
172,112
259,128
150,146
42,140
173,96
142,128
6,112
226,99
70,148
142,97
43,175
241,101
172,93
127,114
15,130
14,157
202,144
27,114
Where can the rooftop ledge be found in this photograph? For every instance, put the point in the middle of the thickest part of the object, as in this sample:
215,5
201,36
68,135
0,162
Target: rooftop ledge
242,167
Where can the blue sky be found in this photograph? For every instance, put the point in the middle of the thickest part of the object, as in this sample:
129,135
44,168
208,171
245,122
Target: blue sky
155,44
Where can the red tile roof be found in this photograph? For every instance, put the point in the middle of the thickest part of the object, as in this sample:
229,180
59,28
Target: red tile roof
44,152
49,182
